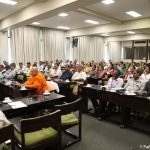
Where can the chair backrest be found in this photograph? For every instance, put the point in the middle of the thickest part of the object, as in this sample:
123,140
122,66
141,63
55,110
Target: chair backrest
69,107
38,123
7,133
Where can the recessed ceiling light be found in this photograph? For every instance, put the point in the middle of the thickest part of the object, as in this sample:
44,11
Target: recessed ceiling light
133,14
63,14
92,21
108,2
63,27
10,2
130,32
105,34
35,23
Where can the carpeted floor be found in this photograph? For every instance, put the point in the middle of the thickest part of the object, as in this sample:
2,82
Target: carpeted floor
104,135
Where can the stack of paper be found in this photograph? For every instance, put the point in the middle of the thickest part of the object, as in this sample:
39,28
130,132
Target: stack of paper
17,104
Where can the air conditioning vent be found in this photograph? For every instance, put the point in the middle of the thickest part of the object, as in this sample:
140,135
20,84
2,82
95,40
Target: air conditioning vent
140,42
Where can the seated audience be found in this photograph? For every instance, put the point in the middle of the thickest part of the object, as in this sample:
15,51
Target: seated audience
56,72
21,68
6,65
115,81
28,69
92,71
11,73
133,85
2,71
122,68
41,66
146,90
129,74
110,70
79,77
87,68
48,70
67,74
146,75
99,72
34,64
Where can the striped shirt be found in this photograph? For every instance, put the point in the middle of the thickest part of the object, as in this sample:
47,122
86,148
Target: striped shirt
134,85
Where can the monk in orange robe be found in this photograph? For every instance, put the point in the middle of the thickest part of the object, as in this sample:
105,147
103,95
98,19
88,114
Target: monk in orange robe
36,81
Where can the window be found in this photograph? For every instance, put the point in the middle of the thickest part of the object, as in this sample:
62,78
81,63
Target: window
140,53
127,53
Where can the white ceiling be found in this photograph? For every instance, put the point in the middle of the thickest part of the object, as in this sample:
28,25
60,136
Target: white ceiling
74,20
117,10
6,10
104,14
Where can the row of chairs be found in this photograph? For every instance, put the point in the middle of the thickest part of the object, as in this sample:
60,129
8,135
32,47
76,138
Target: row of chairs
42,131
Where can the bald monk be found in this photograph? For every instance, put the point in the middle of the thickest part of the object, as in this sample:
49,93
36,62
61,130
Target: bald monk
36,81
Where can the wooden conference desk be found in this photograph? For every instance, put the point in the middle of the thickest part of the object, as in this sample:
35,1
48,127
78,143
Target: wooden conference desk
138,103
12,91
33,103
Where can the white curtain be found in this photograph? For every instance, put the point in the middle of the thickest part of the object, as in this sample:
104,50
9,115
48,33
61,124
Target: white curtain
4,54
25,43
53,44
114,51
89,48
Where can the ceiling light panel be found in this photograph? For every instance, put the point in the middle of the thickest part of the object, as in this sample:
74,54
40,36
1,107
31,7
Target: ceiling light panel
104,34
107,2
130,32
133,14
91,21
10,2
63,14
63,27
35,23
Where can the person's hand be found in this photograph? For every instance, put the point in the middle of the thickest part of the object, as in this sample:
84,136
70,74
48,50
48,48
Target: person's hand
19,84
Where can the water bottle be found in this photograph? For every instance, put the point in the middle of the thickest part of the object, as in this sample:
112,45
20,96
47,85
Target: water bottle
99,84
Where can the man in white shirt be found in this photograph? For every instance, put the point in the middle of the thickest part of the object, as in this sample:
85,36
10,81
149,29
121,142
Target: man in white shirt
48,70
146,75
115,81
56,72
135,84
10,74
79,77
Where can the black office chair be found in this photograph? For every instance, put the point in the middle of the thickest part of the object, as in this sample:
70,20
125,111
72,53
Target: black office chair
7,133
70,118
39,132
